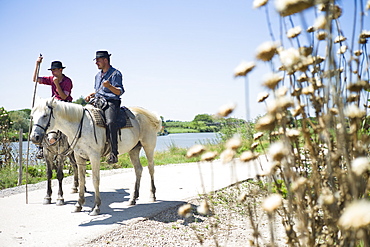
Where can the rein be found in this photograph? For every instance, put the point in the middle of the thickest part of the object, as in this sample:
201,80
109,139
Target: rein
75,139
77,136
48,124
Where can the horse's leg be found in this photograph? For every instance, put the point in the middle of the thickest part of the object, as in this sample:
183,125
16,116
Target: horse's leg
150,158
49,173
135,159
81,163
60,176
72,160
95,166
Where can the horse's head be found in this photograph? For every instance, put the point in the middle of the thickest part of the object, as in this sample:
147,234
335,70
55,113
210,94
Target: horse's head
43,119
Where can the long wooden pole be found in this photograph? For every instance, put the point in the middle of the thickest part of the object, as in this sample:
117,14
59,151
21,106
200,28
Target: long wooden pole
20,158
35,78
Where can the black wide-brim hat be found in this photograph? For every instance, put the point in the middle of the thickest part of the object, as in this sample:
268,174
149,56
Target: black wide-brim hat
100,54
56,65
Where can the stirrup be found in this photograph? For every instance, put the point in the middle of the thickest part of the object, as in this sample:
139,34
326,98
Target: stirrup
112,159
40,153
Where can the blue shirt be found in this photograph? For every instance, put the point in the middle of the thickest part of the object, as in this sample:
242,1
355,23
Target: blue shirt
115,80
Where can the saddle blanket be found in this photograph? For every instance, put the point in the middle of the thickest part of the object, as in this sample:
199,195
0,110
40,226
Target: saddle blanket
99,118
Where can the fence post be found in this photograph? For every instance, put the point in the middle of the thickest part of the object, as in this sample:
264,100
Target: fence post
20,157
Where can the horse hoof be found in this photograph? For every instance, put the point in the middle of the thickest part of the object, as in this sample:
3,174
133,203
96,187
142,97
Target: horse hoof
60,202
77,209
95,212
47,201
74,190
132,202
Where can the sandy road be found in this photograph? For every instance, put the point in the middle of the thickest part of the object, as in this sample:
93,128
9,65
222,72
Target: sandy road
34,224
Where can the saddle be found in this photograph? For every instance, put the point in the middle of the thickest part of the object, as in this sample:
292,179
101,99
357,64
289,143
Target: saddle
123,119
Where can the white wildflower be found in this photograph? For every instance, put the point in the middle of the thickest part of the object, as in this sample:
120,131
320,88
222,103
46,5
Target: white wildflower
293,133
339,39
209,156
294,32
266,123
195,150
298,183
248,156
308,90
342,49
242,197
259,3
284,102
226,110
262,96
289,7
321,35
266,51
272,202
244,68
320,22
257,136
278,151
365,34
227,155
360,165
254,145
281,91
203,208
356,215
185,210
234,143
290,58
358,52
352,111
271,80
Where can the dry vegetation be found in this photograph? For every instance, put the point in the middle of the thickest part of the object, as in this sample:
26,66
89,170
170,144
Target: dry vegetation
317,125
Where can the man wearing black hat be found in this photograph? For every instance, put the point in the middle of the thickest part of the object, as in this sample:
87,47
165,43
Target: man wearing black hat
108,85
61,85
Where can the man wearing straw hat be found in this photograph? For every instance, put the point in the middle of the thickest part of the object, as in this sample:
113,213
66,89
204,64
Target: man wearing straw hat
108,89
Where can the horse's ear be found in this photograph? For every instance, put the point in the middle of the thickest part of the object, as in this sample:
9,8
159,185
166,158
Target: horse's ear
52,101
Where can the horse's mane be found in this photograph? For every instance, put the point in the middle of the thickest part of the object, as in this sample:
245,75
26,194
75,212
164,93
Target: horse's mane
69,111
150,117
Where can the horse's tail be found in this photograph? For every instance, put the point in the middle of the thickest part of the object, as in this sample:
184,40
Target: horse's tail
149,118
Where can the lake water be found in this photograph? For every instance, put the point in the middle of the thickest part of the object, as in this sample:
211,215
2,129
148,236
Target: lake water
185,140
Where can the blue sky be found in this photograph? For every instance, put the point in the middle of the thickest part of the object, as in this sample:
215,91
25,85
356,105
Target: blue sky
177,57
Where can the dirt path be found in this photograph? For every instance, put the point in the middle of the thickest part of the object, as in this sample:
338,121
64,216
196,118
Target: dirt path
34,224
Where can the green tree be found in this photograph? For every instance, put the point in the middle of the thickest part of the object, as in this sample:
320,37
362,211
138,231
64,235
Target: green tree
5,149
203,118
20,119
80,101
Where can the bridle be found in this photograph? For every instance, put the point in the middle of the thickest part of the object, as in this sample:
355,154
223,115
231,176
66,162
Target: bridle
48,124
75,139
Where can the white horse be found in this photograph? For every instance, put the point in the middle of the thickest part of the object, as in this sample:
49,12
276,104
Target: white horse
89,141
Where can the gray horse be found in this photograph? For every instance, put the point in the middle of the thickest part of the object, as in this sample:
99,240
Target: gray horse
56,150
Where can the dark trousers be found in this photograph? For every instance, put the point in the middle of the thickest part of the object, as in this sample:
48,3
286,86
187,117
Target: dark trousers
111,114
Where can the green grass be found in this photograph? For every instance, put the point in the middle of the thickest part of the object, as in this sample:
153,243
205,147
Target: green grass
176,130
174,155
9,175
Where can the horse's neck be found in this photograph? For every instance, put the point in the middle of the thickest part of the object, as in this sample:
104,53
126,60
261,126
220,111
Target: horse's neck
69,128
66,127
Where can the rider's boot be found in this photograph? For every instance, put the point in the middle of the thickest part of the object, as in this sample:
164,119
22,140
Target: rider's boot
114,146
